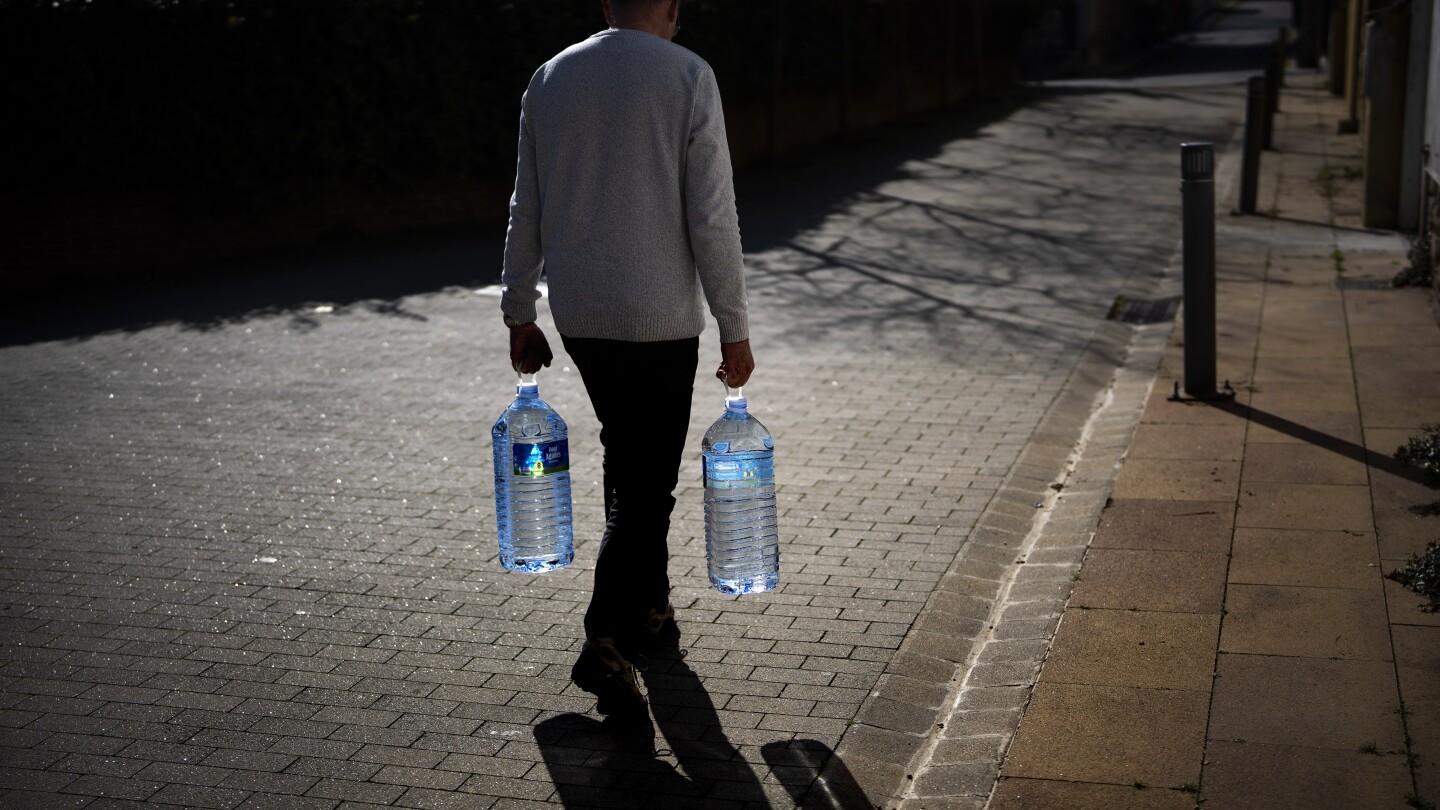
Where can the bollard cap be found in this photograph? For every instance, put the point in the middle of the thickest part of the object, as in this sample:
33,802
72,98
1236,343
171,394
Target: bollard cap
1197,161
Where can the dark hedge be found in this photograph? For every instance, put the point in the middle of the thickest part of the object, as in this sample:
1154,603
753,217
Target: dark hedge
270,100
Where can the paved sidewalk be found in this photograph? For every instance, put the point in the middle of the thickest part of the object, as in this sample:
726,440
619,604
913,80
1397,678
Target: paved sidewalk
1230,638
247,556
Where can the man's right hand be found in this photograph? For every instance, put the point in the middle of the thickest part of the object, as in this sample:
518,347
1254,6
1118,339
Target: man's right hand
529,350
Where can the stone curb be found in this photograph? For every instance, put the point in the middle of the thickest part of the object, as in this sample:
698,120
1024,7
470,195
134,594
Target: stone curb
941,718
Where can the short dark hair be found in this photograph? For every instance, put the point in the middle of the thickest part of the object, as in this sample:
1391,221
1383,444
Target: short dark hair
633,3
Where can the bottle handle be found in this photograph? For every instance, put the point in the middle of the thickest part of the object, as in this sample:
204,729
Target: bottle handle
738,392
522,378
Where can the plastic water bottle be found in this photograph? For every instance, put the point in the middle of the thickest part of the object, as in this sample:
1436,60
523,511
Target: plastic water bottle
742,543
532,483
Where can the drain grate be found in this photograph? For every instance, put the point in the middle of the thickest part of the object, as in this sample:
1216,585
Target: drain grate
1144,310
1364,284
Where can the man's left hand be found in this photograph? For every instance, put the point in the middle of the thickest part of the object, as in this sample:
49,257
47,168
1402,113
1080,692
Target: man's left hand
529,350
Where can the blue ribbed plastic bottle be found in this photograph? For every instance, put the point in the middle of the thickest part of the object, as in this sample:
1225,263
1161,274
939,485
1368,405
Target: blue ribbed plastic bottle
742,543
532,483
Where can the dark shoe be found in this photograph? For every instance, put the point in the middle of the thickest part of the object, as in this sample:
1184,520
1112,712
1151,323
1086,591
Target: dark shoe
660,630
603,672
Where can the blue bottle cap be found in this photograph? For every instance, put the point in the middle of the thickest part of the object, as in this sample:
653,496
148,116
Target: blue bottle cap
737,404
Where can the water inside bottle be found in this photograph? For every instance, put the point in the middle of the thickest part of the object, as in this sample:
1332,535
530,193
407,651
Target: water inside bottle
741,532
532,485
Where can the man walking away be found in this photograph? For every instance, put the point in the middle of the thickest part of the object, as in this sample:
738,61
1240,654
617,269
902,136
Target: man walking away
624,199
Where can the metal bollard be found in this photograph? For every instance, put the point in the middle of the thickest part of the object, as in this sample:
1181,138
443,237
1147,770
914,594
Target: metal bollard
1197,195
1254,122
1272,92
1282,44
1313,17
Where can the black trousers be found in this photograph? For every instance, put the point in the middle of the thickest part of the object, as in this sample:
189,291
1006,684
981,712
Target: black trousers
641,393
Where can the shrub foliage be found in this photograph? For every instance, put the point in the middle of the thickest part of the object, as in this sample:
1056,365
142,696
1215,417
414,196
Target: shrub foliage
1423,452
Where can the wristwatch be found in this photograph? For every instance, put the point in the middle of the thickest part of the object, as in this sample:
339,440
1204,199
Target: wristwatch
512,323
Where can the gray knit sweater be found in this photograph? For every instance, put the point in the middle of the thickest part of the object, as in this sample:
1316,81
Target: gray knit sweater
623,195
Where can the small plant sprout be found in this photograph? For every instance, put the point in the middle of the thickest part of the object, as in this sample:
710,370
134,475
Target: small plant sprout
1423,452
1422,575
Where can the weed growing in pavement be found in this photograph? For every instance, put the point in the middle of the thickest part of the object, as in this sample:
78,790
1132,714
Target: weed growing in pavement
1422,575
1339,259
1327,182
1414,800
1369,748
1423,452
1420,273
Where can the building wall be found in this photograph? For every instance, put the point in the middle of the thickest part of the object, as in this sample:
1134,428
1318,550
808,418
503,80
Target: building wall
1432,118
1418,110
1432,138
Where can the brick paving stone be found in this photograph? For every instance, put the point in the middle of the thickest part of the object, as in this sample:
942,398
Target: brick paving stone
261,801
34,800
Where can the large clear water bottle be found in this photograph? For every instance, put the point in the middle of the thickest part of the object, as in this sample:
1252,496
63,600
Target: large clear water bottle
742,542
532,483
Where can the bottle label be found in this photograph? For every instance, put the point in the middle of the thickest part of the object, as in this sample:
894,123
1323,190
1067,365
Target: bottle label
734,473
541,458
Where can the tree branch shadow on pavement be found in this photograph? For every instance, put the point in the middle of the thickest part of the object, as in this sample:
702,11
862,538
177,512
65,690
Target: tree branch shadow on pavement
1041,204
1052,227
777,203
592,764
375,273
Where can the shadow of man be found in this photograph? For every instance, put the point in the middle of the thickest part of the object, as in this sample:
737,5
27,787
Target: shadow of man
595,764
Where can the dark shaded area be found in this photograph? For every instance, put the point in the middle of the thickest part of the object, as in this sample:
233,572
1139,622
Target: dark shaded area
815,778
1350,450
241,104
775,203
374,274
1233,40
164,134
1146,310
595,764
1238,43
236,105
